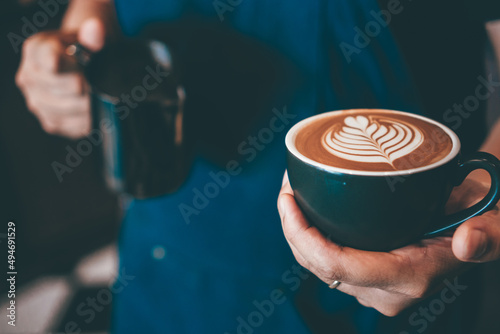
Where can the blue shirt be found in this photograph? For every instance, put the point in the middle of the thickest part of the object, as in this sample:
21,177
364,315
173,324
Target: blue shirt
212,258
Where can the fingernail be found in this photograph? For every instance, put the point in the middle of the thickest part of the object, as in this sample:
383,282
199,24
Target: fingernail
477,245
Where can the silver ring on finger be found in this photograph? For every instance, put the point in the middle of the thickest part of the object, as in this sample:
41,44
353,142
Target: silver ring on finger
334,285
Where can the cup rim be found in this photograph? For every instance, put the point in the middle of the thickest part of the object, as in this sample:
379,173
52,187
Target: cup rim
292,134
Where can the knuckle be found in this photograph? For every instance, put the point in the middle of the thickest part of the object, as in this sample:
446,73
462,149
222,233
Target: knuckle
86,108
46,50
331,274
37,36
364,302
67,105
417,284
48,126
420,290
24,80
30,42
41,38
77,128
76,106
31,105
51,60
301,261
334,270
20,78
76,84
279,199
294,215
387,309
476,224
360,300
390,311
291,237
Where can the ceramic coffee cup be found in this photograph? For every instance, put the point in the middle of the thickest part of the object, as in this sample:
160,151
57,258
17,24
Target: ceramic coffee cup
351,180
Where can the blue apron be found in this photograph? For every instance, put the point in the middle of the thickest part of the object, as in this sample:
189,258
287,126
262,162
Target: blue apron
212,258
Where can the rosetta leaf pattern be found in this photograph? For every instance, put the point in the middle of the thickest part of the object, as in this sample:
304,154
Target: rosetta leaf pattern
372,140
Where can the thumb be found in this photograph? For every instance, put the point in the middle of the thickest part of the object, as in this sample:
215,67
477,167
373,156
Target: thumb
478,239
92,34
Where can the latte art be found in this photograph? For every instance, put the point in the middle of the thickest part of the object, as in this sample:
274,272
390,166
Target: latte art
372,139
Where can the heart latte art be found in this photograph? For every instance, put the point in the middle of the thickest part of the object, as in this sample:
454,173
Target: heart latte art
373,140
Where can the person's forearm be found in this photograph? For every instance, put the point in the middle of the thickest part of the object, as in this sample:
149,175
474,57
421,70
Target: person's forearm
80,10
493,28
490,145
492,142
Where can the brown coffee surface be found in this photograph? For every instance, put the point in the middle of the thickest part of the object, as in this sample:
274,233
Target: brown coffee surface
373,140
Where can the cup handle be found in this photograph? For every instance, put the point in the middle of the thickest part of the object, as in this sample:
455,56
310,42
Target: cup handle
479,160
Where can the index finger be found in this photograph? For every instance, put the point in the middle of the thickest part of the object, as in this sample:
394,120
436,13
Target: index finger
45,52
48,52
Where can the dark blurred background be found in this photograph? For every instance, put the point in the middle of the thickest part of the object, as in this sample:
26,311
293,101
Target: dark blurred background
57,223
66,231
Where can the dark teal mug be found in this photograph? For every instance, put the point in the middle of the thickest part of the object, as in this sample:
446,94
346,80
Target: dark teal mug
380,211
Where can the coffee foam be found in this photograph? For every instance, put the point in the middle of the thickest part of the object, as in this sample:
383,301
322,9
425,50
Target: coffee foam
364,139
372,140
